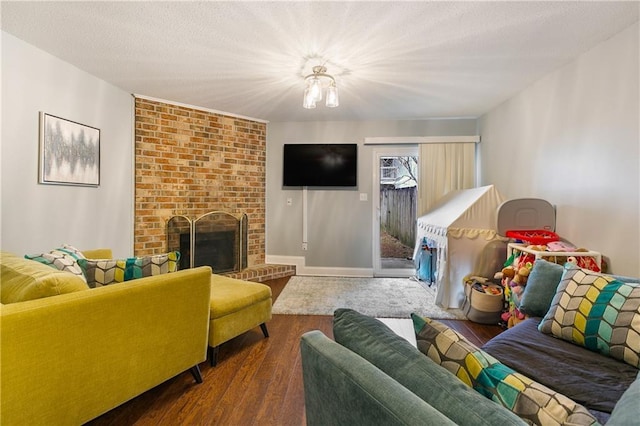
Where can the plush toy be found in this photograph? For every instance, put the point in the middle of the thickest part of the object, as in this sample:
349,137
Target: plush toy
508,272
521,276
513,317
514,279
519,281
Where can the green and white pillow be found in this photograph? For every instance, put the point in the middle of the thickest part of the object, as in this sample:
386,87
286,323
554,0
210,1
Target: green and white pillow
63,258
531,401
101,272
598,312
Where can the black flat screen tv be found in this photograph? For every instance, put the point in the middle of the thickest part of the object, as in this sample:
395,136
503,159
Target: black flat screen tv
320,165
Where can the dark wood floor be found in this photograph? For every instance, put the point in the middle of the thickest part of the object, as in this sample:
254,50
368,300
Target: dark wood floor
257,381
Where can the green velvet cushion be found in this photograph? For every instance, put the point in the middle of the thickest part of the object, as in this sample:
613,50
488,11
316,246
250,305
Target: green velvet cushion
63,258
374,341
598,312
541,287
23,279
528,399
627,410
101,272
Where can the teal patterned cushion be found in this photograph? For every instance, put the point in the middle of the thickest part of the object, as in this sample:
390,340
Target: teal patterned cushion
101,272
531,401
63,258
598,312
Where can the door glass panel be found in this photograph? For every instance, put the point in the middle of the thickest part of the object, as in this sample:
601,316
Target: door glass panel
398,202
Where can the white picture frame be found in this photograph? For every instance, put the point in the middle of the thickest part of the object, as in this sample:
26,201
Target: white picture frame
69,152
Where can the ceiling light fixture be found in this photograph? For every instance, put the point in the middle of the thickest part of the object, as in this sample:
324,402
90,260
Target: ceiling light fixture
315,83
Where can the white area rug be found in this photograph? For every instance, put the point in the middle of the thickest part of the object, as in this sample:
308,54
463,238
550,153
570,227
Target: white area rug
376,297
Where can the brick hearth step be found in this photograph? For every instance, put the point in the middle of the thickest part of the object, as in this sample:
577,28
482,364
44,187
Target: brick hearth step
264,272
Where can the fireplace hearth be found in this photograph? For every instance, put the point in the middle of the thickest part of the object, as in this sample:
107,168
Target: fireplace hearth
215,239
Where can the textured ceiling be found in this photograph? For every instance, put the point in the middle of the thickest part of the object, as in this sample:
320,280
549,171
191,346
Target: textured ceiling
392,60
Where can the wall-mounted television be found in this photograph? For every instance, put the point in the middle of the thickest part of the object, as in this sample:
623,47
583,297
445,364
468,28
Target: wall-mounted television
320,165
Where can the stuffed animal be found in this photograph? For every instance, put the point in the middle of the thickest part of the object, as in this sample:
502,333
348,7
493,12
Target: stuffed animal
512,317
521,276
514,281
508,272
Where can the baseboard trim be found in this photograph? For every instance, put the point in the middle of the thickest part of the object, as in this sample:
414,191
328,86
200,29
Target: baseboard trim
319,271
298,261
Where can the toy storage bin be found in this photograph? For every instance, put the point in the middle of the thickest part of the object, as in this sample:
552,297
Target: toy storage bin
549,255
483,303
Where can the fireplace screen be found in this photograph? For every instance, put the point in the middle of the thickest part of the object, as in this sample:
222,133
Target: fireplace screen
215,239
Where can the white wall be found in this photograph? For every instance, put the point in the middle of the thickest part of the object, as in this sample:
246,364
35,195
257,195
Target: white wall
37,217
340,226
572,138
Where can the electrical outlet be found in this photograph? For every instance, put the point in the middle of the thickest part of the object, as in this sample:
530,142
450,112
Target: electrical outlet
305,246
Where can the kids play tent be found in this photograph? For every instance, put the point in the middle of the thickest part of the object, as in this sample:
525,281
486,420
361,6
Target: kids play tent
461,226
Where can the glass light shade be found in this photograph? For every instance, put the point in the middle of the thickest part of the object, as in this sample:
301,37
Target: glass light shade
315,89
332,96
308,101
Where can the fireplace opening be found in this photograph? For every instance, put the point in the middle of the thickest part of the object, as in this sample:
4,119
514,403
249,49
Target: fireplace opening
216,239
215,249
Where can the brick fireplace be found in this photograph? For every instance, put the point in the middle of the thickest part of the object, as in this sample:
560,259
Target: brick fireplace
215,239
189,162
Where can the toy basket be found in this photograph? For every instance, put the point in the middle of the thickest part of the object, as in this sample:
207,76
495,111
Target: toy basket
483,302
536,236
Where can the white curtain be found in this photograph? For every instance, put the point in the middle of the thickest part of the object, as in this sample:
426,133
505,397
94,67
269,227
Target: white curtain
444,167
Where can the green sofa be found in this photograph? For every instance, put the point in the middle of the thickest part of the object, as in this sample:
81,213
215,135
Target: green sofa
70,353
370,376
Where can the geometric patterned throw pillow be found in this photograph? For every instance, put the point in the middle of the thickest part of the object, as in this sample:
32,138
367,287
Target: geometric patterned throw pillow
529,400
63,258
598,312
101,272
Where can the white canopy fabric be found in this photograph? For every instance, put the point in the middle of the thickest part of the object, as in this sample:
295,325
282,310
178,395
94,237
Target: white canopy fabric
459,226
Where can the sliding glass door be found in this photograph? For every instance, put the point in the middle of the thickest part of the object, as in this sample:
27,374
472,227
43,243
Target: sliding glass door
395,192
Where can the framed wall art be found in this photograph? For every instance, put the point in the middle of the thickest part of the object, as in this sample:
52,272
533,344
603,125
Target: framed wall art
69,152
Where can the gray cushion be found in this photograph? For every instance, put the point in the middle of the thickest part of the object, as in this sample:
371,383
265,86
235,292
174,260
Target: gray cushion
541,287
378,344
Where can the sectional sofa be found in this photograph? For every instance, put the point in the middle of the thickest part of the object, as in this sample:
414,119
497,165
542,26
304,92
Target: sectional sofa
70,353
532,373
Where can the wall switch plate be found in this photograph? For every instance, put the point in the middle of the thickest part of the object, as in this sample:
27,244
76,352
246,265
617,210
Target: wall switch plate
305,246
289,201
363,196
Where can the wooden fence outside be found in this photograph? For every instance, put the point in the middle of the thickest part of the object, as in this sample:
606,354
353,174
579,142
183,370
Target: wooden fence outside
398,213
